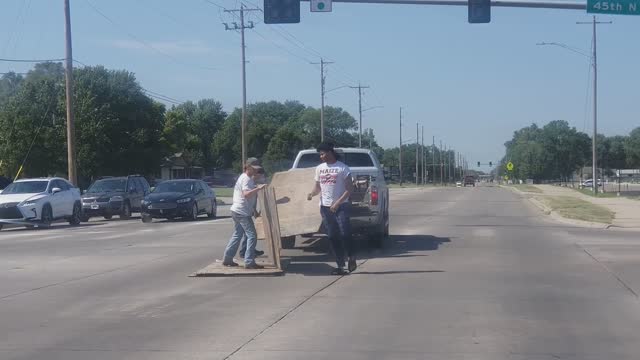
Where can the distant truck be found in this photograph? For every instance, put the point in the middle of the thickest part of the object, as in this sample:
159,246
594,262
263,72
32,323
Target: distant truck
469,180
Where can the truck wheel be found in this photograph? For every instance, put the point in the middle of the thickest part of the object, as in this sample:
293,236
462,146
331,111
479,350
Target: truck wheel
378,236
288,242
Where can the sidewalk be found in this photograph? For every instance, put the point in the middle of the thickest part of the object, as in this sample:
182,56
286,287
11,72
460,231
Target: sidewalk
627,211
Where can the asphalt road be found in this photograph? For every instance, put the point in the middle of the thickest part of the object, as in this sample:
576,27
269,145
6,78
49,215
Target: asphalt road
472,273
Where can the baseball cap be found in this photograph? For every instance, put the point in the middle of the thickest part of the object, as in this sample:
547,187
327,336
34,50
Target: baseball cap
254,163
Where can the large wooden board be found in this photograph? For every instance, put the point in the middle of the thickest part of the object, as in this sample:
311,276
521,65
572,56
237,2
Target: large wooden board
296,214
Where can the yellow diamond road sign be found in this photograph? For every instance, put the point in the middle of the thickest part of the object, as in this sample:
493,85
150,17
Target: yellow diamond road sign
509,166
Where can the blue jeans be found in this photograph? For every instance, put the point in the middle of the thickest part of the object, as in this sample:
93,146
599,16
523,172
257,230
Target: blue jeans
338,228
243,226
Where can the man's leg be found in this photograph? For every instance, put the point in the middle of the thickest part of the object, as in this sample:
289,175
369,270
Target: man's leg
252,238
333,232
344,223
234,242
243,246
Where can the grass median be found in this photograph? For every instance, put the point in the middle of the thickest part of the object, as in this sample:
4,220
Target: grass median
223,192
573,208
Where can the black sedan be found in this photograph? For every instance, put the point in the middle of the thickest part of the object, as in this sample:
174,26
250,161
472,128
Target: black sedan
179,199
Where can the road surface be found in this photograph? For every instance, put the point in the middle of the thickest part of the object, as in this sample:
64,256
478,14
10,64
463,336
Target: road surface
473,273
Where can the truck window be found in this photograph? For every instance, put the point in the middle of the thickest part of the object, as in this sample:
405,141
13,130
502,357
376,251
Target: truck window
309,160
350,159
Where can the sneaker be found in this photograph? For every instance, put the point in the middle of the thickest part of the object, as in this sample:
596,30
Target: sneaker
352,264
253,266
230,264
338,271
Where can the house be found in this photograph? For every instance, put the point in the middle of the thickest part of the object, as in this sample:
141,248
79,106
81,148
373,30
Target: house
177,167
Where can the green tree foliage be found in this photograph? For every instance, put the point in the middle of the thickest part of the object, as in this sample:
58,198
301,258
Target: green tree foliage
117,126
632,149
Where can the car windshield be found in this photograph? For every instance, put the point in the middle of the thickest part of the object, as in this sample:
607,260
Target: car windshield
350,159
175,186
108,185
26,187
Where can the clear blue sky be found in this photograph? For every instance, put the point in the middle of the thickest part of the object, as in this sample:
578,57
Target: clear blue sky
471,86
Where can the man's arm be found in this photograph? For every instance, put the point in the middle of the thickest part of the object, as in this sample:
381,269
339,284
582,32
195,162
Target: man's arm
249,193
315,191
348,190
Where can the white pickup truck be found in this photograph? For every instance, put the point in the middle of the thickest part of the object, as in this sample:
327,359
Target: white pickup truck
370,198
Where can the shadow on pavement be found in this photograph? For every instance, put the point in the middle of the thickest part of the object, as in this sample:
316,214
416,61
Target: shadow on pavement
54,226
313,256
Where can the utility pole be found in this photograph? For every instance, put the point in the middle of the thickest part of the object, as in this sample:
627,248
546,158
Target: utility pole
424,160
242,27
400,149
417,153
360,87
433,158
71,131
441,166
323,79
594,62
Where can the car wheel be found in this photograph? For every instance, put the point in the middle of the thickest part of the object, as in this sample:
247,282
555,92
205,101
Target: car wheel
126,212
288,242
214,210
108,217
1,226
378,236
146,218
194,212
75,218
47,216
84,218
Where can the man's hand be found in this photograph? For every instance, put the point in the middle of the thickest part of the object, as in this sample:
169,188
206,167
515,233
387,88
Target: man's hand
309,196
261,186
334,207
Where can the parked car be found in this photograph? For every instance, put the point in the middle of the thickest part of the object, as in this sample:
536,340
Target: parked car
179,198
32,202
589,183
114,196
370,197
469,180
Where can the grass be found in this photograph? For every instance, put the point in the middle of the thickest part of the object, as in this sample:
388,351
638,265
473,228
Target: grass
573,208
527,188
224,192
587,191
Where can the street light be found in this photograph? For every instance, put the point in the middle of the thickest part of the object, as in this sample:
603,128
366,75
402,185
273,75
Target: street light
363,110
594,64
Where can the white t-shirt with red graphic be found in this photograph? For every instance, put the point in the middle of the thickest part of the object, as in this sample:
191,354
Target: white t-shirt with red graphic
332,181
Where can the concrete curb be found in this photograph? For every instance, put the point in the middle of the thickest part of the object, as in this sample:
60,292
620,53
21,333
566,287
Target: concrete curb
554,215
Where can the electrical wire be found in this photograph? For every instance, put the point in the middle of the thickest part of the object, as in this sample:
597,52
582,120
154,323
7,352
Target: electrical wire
30,60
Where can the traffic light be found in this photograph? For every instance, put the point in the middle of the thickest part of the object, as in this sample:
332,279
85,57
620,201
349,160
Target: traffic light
479,11
478,163
281,11
490,163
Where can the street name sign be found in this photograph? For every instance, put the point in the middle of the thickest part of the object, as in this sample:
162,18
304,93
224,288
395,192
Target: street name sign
614,7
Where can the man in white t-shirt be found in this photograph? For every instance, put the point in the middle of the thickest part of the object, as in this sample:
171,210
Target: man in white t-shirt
245,196
334,184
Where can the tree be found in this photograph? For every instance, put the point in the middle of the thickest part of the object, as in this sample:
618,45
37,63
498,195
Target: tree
190,128
632,149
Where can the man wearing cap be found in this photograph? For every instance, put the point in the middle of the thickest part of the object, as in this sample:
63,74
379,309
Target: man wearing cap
245,196
334,184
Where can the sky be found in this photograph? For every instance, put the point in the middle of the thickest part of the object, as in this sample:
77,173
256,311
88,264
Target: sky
470,85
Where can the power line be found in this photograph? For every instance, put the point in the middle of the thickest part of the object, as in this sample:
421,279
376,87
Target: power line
30,60
143,42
